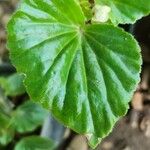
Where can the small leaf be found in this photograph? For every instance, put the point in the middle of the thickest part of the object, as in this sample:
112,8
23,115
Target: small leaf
84,74
35,143
28,117
86,8
13,85
6,131
6,105
126,11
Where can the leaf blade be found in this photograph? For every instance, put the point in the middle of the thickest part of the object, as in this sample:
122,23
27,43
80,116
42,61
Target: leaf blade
77,74
34,143
6,131
13,85
27,117
126,11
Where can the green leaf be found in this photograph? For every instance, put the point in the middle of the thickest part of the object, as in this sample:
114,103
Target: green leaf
13,85
126,11
35,143
6,105
86,8
28,117
84,74
6,131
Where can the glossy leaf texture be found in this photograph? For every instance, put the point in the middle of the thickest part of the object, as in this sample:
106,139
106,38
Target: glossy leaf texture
84,74
126,11
28,117
35,143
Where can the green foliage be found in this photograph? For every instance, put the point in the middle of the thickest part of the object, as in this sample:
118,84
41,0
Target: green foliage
35,143
25,118
86,8
6,131
28,117
5,104
126,11
85,74
13,85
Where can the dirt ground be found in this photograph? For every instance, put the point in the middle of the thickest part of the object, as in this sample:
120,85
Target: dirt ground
132,132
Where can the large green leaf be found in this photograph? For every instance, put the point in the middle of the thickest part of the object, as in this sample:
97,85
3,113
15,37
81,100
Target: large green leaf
13,85
35,143
28,117
126,11
84,74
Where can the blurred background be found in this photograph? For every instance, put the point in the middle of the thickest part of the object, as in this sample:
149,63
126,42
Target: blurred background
22,126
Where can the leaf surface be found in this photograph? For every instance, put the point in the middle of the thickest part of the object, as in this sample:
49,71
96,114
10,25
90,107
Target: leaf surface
84,74
28,117
86,8
35,143
126,11
13,85
6,131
